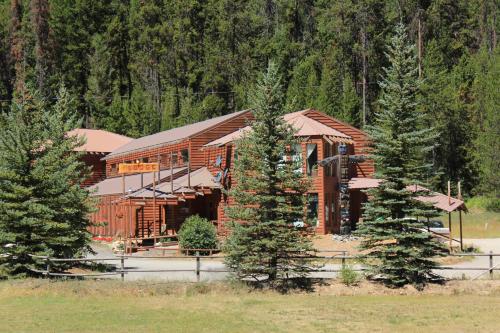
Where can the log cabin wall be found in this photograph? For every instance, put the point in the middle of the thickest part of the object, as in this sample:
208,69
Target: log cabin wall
201,139
227,154
360,138
323,183
108,219
151,156
98,168
193,144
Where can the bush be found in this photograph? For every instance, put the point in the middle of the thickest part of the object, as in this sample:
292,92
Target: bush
490,204
349,276
197,233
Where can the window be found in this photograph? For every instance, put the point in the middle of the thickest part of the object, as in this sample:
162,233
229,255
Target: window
297,156
185,155
312,159
113,167
312,209
174,160
145,159
228,157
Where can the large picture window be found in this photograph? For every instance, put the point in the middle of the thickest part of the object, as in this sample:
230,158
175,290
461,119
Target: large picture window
312,159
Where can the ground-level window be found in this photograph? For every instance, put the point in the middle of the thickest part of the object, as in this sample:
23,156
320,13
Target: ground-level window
312,158
312,209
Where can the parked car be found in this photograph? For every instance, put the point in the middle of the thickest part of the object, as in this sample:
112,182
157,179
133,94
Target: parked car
438,227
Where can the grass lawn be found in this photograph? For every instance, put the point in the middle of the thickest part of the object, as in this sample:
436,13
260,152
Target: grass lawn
477,223
109,306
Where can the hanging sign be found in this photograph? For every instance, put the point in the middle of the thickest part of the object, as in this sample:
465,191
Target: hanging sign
137,167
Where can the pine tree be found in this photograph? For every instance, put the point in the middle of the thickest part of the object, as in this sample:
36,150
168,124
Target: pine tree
269,195
400,142
43,209
487,144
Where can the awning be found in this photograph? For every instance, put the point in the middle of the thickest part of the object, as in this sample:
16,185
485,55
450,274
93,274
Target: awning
438,200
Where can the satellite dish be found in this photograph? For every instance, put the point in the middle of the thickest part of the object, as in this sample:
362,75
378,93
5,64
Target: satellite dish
218,161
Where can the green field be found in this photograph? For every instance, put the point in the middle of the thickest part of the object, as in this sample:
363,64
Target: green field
477,223
107,306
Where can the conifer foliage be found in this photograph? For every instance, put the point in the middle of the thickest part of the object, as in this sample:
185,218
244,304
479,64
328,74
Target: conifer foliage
269,196
390,228
43,209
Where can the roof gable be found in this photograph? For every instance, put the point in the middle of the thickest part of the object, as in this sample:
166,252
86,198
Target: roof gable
99,141
301,121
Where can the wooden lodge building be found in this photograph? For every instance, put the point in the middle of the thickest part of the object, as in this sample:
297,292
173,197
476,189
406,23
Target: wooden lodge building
195,164
98,143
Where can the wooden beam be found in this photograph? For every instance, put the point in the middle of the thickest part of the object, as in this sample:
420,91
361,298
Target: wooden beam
449,227
461,238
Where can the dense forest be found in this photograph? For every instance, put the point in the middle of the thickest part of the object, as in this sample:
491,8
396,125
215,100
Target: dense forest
140,66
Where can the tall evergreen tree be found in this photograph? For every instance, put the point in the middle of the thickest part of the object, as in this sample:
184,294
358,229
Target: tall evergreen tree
400,141
269,196
43,209
487,144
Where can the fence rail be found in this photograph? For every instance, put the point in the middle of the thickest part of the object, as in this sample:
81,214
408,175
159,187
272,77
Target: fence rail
197,270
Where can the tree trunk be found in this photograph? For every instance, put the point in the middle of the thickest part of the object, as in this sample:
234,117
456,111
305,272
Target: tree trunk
17,46
419,43
365,72
39,10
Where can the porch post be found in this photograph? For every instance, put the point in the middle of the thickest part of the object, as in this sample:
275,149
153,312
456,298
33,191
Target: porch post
461,239
449,226
154,208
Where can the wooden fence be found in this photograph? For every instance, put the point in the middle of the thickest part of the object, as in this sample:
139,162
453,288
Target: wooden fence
121,269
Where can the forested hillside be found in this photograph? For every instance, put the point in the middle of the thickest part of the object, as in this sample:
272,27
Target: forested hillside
140,66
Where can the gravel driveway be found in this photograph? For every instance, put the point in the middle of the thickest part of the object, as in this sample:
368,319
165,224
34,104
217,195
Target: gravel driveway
183,269
485,245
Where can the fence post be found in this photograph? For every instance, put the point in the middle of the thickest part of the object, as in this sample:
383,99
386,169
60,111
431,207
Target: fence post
122,268
47,261
343,259
491,264
198,266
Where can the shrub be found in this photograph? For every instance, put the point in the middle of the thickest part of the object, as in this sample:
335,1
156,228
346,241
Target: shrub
197,233
486,203
349,276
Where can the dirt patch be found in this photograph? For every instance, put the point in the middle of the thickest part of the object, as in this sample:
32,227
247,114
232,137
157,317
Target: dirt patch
457,287
326,242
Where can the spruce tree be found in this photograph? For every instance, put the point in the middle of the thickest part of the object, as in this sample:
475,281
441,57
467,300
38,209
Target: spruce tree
404,254
487,143
269,195
43,209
